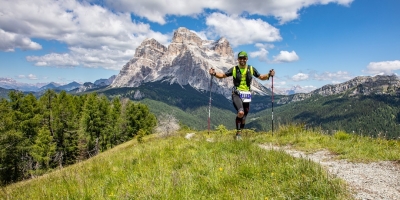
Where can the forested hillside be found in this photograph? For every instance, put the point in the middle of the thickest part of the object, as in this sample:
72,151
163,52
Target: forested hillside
60,129
188,105
374,115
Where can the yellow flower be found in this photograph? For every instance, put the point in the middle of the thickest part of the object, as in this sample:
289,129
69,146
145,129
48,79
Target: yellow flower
220,169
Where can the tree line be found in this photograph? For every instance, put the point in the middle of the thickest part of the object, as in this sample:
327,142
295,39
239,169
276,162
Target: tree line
60,129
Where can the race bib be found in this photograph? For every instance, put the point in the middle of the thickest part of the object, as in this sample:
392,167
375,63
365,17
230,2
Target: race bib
245,96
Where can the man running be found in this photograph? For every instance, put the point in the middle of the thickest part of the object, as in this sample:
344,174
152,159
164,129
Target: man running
241,95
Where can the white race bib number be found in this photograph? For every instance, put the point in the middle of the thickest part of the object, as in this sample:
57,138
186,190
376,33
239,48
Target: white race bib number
245,96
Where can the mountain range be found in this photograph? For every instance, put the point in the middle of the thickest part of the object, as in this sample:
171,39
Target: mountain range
11,84
175,79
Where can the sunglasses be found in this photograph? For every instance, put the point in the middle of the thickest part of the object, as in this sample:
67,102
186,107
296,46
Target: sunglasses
242,58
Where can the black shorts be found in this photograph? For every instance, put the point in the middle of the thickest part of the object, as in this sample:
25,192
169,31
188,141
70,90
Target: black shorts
239,105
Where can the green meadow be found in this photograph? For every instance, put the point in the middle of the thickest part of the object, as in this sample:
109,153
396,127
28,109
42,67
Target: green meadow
208,166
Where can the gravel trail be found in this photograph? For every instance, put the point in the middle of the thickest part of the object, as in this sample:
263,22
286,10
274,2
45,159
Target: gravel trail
376,180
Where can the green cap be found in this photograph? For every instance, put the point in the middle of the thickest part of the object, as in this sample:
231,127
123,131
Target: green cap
242,54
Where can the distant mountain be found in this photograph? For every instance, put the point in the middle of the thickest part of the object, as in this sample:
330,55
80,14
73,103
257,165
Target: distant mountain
362,85
105,82
8,83
69,86
51,85
295,89
4,92
185,61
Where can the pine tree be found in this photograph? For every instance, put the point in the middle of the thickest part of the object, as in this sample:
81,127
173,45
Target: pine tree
43,149
139,117
115,122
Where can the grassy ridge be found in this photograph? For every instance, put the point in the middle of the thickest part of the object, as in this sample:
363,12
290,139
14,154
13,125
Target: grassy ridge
208,166
177,168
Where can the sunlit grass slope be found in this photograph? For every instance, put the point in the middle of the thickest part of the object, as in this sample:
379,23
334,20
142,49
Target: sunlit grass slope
206,166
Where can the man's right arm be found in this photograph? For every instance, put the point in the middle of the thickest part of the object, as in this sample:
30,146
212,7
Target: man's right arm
220,75
217,74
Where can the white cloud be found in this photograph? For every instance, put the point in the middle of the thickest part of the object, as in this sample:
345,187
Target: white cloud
239,30
285,56
262,53
156,11
107,36
30,76
300,77
264,46
54,59
10,41
384,67
332,76
86,28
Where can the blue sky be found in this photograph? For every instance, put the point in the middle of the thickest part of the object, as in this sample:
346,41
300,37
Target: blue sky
309,43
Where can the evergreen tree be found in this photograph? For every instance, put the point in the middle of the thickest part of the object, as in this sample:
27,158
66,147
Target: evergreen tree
104,123
115,122
66,123
138,117
43,149
10,143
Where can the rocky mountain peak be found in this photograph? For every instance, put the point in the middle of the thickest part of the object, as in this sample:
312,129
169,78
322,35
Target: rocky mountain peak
222,47
185,61
184,35
150,49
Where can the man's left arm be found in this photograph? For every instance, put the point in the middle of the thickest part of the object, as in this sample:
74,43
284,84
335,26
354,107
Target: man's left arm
265,76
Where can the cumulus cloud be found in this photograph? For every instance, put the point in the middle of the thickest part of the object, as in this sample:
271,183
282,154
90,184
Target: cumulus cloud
285,56
87,29
29,76
262,53
384,67
239,30
32,77
337,77
300,77
91,32
157,11
10,41
54,59
332,76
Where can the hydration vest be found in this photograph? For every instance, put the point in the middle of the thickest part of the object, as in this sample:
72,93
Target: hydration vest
237,76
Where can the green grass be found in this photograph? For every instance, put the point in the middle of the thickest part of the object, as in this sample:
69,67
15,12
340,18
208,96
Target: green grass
178,168
352,147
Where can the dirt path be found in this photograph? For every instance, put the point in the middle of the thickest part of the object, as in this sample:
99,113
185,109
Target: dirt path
378,180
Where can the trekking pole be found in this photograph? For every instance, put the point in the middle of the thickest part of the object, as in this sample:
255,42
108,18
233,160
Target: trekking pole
209,105
272,89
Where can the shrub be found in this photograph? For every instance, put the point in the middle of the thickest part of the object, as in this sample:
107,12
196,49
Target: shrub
341,135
